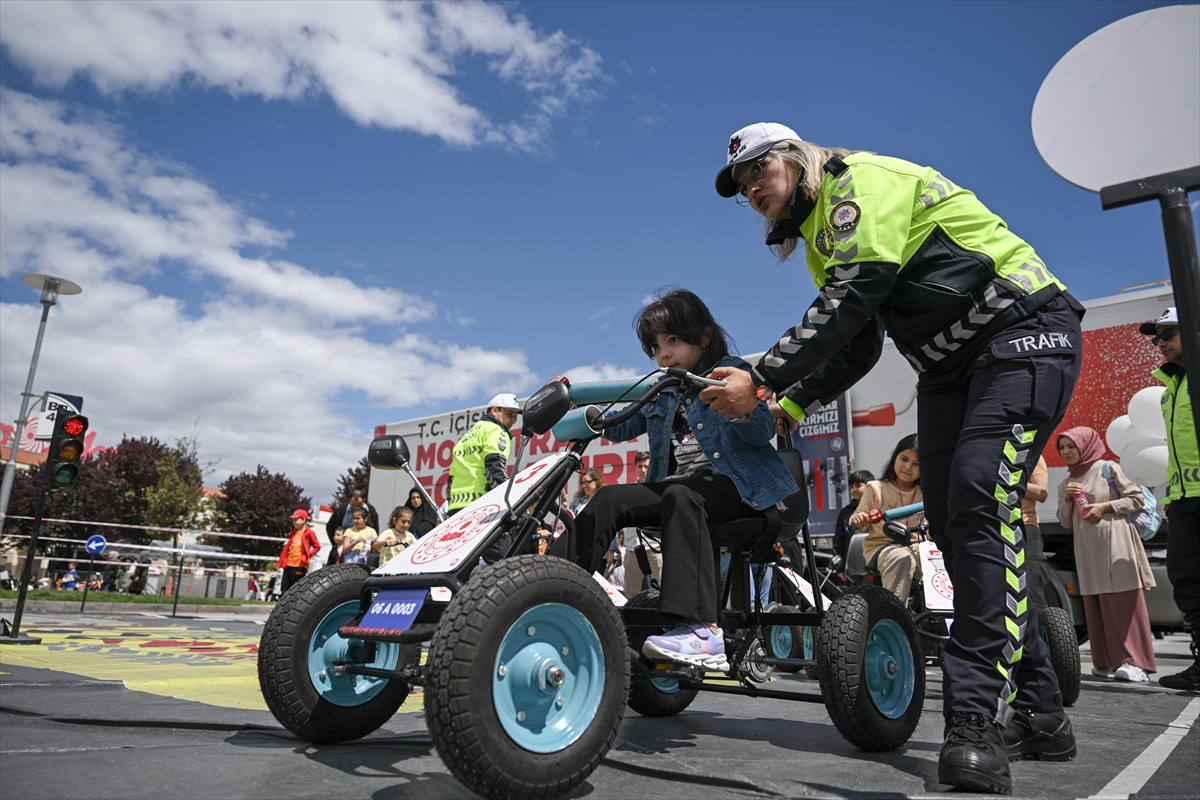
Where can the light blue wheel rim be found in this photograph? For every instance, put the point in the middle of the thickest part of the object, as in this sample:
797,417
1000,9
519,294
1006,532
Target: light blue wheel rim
548,678
888,665
328,646
665,685
783,640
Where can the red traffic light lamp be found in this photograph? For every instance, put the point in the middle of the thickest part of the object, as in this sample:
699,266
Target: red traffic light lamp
66,450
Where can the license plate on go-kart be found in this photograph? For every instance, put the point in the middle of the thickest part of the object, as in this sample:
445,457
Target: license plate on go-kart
391,613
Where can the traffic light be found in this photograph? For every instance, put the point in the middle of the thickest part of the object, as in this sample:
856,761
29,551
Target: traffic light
66,449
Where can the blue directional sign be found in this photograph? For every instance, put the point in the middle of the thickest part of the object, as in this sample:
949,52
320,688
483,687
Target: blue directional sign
96,544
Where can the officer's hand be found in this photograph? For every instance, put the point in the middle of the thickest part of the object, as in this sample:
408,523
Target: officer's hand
784,422
736,399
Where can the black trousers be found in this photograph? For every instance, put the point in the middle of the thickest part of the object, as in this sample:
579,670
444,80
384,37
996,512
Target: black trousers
683,509
292,575
1183,557
979,436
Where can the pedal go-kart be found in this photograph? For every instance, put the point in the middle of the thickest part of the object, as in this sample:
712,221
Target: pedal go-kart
531,662
931,601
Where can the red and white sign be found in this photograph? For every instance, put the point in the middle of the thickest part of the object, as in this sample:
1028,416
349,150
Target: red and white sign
939,592
461,537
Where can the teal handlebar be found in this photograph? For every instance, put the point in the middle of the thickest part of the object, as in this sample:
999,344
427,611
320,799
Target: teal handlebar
610,391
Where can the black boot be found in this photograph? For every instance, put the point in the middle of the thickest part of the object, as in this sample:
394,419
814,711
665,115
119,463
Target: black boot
1040,736
1189,679
973,755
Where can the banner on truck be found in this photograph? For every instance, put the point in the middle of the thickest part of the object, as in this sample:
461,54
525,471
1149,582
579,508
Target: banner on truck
431,442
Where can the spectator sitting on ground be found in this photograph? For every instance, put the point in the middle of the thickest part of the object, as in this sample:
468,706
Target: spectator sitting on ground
357,540
397,537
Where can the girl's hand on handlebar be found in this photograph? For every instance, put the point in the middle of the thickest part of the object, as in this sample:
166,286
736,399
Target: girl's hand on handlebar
737,398
860,519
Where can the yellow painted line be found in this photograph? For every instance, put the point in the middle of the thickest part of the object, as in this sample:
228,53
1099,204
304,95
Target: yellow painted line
203,666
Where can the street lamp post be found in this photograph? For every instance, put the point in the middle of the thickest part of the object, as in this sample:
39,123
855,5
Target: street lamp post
51,287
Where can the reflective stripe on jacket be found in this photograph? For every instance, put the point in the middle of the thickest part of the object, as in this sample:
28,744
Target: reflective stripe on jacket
1183,453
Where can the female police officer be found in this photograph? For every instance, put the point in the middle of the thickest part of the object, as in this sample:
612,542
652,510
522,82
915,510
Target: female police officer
995,340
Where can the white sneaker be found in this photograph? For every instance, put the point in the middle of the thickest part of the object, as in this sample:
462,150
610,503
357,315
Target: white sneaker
1100,672
1128,672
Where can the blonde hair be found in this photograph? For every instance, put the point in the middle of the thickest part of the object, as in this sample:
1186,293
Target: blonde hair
808,160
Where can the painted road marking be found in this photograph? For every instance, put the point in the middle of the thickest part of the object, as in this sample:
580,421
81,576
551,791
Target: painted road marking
211,666
1141,769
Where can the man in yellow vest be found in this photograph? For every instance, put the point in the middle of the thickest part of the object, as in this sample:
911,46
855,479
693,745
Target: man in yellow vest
1183,487
481,456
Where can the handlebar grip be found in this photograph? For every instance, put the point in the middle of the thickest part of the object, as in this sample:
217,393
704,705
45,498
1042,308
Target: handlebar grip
875,515
609,391
577,424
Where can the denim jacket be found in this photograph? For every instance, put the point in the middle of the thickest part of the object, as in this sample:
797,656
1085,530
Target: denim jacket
740,448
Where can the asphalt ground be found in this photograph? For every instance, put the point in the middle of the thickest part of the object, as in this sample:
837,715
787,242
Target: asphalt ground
134,705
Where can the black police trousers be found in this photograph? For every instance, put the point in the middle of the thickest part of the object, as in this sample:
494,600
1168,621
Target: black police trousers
1183,557
979,433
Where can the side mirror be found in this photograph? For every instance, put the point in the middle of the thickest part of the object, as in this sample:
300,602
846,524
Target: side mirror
546,407
388,452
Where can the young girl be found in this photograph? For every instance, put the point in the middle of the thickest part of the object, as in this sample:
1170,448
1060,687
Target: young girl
357,541
704,470
897,564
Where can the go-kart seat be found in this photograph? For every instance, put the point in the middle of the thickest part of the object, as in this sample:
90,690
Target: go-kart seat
856,562
758,536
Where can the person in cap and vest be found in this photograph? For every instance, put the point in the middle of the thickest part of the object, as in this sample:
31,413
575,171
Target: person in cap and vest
995,340
1183,488
302,545
481,456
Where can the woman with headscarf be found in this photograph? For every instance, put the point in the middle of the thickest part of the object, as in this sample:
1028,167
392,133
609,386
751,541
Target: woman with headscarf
424,518
1109,558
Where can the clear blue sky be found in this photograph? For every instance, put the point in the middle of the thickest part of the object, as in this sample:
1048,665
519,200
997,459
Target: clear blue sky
293,223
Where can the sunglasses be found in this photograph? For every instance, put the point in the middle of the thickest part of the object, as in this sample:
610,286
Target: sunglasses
1165,336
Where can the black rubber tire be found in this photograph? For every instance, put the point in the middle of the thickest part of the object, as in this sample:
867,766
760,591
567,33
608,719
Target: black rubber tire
644,697
841,649
459,705
797,650
283,662
1064,651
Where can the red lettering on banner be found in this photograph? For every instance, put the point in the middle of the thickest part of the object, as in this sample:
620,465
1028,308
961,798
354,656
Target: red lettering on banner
445,453
425,454
610,467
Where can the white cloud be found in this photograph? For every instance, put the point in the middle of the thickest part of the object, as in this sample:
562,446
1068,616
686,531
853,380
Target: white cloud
261,359
386,64
606,372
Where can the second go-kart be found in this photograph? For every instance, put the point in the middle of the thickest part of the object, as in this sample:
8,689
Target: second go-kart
931,601
531,661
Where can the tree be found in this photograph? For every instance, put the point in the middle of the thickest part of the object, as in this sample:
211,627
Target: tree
357,478
258,503
139,482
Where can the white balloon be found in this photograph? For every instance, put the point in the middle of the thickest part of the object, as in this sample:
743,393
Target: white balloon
1145,411
1120,433
1145,461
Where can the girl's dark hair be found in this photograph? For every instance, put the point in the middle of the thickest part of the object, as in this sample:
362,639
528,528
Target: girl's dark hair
397,512
681,313
907,443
